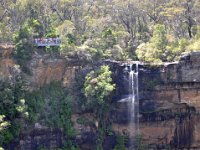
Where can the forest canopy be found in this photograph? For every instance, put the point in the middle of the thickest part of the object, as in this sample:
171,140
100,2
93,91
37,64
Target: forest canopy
148,30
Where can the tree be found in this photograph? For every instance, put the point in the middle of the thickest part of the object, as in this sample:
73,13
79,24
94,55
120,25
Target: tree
3,124
98,86
120,143
82,23
13,109
133,21
155,50
24,46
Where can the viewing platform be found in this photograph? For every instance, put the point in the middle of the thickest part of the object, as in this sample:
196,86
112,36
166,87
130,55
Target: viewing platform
47,42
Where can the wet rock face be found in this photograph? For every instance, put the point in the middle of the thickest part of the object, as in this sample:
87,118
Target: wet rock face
161,88
161,85
87,141
120,78
38,139
51,139
175,127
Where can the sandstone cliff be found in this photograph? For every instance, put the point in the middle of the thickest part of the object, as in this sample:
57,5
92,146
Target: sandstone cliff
169,101
7,64
45,68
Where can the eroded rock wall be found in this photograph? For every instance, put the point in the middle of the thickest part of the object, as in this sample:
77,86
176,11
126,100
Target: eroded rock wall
45,68
8,67
169,102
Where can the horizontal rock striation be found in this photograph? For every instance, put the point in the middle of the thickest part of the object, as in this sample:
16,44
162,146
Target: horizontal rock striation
169,97
169,101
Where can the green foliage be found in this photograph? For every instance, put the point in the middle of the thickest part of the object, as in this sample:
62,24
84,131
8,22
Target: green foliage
87,50
51,106
109,38
69,145
155,50
120,143
194,46
81,121
52,33
5,34
13,109
3,124
67,35
159,40
194,43
161,49
110,29
139,145
175,49
145,52
24,46
98,86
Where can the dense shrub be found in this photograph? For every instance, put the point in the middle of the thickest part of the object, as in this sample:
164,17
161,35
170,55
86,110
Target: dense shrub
13,110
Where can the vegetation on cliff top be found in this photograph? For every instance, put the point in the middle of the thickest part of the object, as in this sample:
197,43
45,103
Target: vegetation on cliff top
149,30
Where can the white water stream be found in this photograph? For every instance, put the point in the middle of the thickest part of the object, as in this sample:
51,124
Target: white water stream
133,102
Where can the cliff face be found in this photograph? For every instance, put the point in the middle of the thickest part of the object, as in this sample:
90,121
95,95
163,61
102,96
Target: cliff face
7,64
45,69
169,101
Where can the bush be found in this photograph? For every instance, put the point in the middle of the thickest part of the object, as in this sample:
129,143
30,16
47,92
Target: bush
120,143
13,109
98,86
155,49
51,106
24,46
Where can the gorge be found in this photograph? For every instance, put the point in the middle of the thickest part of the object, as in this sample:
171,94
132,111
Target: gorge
158,103
99,74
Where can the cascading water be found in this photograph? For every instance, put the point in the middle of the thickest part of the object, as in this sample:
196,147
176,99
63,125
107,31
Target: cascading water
134,102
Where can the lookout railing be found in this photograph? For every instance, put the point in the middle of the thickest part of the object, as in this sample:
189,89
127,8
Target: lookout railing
47,41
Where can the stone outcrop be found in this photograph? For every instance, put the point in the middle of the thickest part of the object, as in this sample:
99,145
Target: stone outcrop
8,67
45,68
38,139
175,127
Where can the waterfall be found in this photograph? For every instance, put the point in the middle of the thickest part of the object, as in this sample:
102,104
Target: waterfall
133,101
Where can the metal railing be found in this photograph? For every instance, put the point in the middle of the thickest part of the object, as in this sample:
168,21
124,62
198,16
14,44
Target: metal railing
47,41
